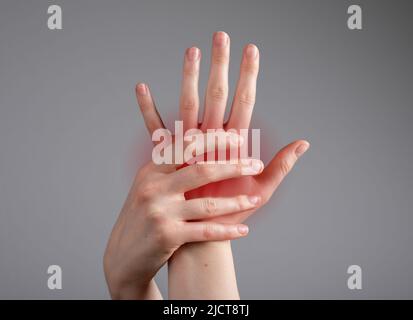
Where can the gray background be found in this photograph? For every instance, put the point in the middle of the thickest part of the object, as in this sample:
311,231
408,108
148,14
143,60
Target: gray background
69,127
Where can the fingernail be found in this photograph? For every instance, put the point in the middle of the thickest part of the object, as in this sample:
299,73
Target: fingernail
192,54
303,147
253,200
220,39
141,88
255,166
243,229
251,51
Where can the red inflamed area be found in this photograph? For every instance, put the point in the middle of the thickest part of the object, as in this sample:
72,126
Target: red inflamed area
248,185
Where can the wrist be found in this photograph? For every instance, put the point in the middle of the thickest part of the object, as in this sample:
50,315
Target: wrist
126,289
196,248
129,290
203,270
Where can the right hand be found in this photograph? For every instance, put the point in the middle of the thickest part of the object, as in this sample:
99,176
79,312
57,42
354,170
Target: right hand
156,219
216,96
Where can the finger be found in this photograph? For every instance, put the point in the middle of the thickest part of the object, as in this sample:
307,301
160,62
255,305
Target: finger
217,88
245,93
219,146
210,145
211,231
150,115
189,101
199,174
282,163
204,208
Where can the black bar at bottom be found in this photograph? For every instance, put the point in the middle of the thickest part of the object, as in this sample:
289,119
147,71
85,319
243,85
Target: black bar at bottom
189,309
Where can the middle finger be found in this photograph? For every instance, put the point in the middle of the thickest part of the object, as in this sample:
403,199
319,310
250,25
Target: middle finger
217,88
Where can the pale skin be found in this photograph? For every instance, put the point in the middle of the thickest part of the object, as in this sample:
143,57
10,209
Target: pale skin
200,266
156,220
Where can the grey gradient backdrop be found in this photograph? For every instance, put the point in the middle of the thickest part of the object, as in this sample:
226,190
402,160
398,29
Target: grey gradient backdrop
69,124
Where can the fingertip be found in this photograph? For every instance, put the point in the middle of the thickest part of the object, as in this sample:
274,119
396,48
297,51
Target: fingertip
301,148
193,54
243,229
141,89
220,38
251,51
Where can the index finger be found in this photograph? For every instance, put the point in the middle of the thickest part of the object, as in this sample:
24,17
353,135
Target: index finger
147,106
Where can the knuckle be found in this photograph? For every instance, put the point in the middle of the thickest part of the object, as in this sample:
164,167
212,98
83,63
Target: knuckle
154,212
247,99
189,104
218,93
285,166
220,58
250,68
190,71
209,231
209,206
147,191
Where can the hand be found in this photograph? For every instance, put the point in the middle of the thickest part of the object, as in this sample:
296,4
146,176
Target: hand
262,185
156,219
